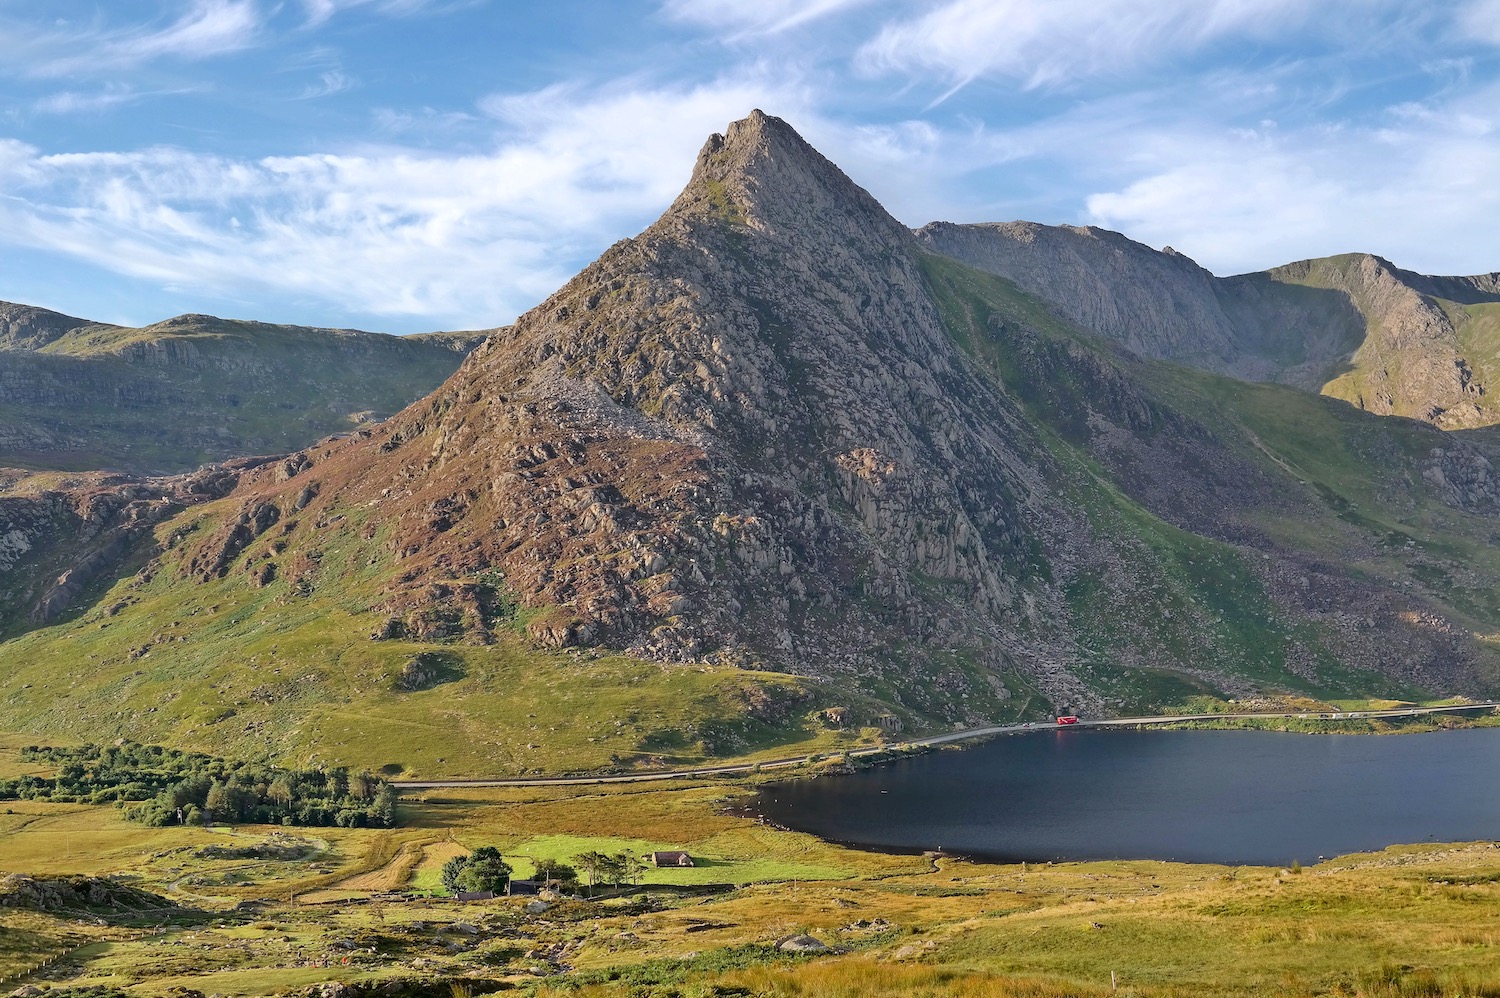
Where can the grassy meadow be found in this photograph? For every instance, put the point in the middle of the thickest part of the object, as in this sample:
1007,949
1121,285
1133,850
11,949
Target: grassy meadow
354,906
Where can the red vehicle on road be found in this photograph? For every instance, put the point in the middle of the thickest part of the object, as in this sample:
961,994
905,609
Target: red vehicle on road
1067,719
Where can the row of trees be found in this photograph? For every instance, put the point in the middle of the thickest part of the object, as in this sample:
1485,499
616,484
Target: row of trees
485,870
162,786
616,869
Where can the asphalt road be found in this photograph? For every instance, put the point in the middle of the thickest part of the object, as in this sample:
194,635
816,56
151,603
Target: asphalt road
953,736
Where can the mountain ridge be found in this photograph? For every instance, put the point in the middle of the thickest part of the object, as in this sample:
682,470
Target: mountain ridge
169,397
1354,326
775,445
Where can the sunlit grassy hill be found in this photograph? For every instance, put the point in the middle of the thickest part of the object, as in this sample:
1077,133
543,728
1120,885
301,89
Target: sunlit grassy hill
276,911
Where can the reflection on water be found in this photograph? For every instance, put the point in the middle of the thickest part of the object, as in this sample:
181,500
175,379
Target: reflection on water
1196,796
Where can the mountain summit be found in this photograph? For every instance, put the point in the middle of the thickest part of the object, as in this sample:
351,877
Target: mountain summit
762,173
777,442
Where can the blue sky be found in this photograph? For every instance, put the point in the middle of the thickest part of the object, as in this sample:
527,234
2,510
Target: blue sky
408,165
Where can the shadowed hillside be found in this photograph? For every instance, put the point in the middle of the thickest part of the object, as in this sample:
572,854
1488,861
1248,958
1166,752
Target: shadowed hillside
78,395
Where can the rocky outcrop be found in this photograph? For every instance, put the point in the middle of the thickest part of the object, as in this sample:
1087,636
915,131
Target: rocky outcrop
750,436
1157,304
79,895
1410,360
1464,476
776,431
24,327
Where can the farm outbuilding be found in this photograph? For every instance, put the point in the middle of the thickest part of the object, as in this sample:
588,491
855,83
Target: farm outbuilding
671,858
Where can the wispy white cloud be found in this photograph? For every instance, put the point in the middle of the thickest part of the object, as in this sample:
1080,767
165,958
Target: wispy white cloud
74,102
330,82
467,240
632,139
1244,132
208,28
1057,41
1410,188
319,11
736,18
1480,20
430,120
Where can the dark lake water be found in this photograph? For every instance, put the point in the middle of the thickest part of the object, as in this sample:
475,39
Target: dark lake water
1241,797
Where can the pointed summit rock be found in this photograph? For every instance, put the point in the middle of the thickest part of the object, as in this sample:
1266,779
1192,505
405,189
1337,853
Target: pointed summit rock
724,430
750,436
761,173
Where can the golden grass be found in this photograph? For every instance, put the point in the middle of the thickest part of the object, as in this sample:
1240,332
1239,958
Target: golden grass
28,938
862,977
39,837
1407,921
389,877
11,764
427,874
865,977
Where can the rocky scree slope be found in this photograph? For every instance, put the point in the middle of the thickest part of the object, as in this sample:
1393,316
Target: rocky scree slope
59,540
77,395
1354,327
775,432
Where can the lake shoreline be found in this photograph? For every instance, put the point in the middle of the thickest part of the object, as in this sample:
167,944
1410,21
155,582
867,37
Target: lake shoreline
1171,795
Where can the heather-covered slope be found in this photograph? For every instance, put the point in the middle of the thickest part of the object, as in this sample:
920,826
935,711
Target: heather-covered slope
1353,327
773,436
77,395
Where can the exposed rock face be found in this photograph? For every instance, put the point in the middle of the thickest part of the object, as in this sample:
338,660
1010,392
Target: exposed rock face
1464,475
23,327
726,432
775,431
1157,304
1411,360
58,542
1354,327
79,895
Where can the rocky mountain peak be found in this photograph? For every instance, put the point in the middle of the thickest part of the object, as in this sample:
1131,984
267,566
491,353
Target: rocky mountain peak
760,172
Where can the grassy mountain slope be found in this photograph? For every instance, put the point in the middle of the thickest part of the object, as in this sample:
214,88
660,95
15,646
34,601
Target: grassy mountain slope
769,457
165,398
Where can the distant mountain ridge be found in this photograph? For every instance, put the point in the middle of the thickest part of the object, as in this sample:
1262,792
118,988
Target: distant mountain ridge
81,395
1354,327
26,327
